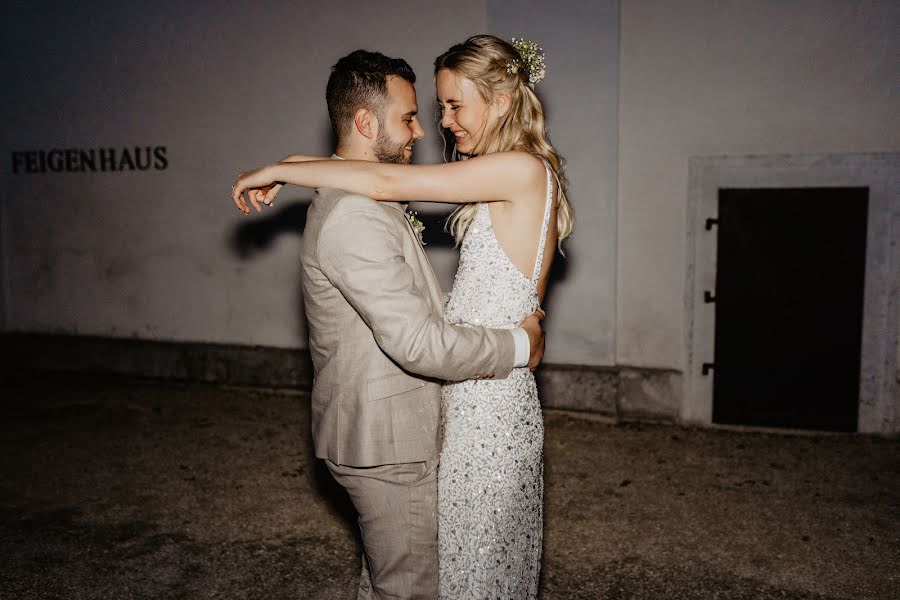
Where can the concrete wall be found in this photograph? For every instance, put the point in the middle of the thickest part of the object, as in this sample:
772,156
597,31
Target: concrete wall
709,77
632,93
161,254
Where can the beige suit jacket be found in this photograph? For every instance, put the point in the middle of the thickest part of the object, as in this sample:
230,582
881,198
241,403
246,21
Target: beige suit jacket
379,345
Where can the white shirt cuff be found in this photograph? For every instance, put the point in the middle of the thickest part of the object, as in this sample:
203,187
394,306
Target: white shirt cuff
523,347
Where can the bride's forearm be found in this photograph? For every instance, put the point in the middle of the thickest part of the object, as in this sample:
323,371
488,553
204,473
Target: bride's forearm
360,177
503,176
379,181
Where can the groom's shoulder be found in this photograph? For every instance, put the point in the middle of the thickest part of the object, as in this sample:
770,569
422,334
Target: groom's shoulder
333,199
343,205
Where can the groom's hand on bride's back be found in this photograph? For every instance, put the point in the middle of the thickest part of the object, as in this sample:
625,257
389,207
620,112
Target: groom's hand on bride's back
532,326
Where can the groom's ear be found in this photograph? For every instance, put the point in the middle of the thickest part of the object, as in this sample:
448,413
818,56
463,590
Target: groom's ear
366,123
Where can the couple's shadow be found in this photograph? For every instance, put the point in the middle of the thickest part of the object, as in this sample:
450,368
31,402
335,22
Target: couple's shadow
252,237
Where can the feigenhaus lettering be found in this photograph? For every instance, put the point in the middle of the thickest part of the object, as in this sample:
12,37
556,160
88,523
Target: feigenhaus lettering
90,160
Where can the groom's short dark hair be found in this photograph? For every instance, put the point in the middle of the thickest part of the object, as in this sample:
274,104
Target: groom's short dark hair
359,80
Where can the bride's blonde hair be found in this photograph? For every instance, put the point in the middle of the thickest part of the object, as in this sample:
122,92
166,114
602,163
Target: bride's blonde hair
485,61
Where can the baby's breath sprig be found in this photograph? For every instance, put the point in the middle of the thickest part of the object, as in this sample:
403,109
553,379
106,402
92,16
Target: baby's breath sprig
532,60
417,225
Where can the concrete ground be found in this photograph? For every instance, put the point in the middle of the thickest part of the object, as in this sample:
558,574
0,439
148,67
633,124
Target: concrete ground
123,489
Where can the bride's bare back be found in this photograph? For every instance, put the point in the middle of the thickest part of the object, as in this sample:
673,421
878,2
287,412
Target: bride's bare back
517,227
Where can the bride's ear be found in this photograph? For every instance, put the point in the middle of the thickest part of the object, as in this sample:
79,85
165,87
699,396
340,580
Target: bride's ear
501,103
366,123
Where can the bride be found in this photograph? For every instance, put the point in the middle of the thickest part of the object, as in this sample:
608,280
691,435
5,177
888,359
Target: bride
513,213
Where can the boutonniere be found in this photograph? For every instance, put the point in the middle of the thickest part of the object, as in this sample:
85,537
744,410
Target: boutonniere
417,225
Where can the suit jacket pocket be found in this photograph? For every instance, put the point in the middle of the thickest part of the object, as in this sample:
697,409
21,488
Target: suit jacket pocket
392,385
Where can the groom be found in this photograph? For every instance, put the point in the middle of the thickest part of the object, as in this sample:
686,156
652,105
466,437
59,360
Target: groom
379,345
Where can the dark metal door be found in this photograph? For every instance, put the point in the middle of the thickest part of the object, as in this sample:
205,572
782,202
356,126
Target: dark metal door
789,301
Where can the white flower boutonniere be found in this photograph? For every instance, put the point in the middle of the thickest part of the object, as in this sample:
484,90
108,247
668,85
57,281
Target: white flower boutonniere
416,224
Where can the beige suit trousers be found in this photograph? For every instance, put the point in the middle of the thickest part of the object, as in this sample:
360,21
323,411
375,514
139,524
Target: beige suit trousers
397,506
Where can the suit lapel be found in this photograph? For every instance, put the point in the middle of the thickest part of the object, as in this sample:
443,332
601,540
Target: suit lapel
431,279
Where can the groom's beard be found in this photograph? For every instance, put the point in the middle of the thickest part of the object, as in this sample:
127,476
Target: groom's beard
390,151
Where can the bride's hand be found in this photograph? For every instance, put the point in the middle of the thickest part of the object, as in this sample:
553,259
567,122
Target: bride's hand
532,326
265,195
259,184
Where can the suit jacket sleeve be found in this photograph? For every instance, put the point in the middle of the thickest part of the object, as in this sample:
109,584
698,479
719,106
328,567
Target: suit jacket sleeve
361,252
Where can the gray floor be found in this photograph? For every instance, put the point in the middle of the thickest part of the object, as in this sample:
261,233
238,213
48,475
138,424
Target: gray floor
116,489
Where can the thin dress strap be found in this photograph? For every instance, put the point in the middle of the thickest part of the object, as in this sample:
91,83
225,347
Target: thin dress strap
538,263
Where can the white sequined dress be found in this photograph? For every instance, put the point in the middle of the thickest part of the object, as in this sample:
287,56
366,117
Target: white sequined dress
490,481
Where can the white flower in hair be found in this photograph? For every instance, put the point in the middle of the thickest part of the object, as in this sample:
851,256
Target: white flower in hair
532,60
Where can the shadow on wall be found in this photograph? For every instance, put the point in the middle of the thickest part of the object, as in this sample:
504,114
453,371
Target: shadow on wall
434,234
558,272
257,234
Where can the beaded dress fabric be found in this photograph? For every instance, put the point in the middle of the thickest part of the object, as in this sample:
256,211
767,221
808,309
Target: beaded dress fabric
490,482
